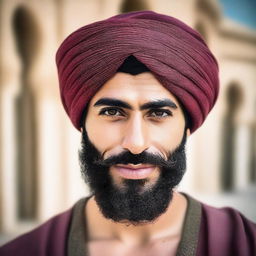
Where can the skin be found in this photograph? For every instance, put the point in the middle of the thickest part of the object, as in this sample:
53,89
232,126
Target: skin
137,128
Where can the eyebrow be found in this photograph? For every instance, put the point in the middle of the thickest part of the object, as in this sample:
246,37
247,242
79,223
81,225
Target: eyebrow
149,105
159,104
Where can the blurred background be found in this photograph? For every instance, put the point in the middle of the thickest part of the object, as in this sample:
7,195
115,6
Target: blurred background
39,170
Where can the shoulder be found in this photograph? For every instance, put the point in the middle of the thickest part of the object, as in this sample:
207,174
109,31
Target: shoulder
47,239
228,219
227,231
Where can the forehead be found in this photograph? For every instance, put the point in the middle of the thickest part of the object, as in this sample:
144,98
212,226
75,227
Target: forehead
134,88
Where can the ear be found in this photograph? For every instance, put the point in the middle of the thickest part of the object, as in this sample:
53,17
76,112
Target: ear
188,132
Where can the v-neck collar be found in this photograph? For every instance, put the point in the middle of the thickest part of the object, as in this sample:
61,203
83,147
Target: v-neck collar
187,246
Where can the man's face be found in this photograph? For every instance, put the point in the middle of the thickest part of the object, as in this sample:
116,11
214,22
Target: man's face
132,116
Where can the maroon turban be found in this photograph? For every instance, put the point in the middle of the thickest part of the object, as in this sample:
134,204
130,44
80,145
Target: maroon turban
175,53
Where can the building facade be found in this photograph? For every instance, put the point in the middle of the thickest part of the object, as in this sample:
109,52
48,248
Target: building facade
39,170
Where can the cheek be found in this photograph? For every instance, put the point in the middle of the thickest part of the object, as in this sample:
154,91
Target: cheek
103,136
167,136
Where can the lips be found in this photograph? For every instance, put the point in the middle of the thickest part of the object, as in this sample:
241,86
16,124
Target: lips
134,172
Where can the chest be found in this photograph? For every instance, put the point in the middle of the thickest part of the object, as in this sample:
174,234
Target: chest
167,247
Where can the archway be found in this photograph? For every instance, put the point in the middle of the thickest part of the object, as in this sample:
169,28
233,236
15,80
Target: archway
27,43
252,164
200,28
234,99
133,5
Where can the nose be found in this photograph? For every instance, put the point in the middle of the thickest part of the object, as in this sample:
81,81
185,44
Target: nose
135,135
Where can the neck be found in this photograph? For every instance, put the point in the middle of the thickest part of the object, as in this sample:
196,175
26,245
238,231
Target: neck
169,224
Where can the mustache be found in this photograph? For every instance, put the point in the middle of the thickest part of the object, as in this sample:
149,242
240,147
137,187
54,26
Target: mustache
127,157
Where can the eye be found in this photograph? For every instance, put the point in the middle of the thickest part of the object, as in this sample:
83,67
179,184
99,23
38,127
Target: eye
111,112
160,113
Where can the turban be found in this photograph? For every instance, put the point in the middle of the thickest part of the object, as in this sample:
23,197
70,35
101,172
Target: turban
175,53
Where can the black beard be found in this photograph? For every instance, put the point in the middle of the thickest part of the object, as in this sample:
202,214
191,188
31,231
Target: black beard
132,203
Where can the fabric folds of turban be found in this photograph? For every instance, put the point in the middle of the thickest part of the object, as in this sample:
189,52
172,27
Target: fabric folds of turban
175,53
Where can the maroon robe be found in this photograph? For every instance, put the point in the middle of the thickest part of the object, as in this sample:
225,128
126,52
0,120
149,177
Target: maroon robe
223,232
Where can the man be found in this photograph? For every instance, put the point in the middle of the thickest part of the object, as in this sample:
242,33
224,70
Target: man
136,86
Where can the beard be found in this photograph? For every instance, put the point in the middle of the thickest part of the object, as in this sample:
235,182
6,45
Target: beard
133,202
